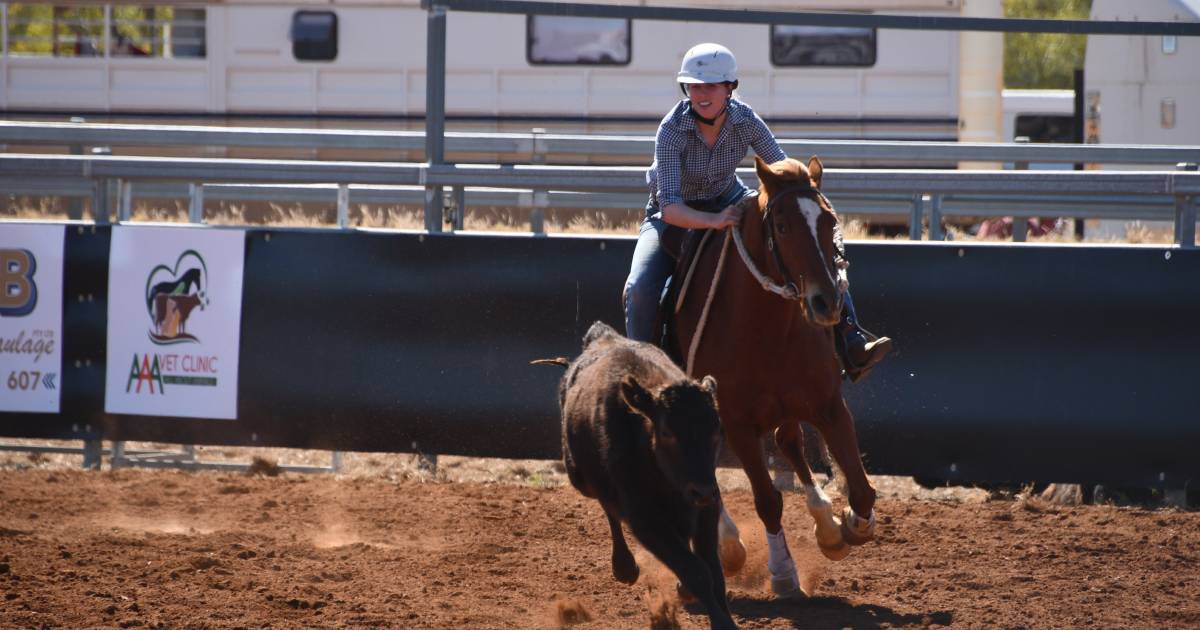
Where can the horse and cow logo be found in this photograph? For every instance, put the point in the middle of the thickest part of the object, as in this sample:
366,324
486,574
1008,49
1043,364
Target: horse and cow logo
171,296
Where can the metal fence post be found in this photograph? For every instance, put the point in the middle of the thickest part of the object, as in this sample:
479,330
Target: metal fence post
435,110
1185,221
336,461
459,194
914,220
1020,225
537,218
1020,229
541,198
343,206
124,200
1185,213
935,219
100,200
93,453
196,202
74,204
102,192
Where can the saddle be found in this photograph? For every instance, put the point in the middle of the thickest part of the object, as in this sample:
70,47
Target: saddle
684,245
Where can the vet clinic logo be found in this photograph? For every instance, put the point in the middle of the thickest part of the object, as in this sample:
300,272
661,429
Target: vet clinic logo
18,292
171,296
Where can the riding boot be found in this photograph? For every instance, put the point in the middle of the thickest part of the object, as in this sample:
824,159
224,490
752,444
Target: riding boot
859,349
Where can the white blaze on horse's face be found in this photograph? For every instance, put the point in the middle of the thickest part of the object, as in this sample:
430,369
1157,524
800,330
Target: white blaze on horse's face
811,210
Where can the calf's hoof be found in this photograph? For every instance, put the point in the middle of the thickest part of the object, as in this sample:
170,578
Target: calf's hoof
626,572
857,530
685,596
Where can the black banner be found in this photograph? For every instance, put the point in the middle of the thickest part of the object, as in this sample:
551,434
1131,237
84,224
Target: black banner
1013,363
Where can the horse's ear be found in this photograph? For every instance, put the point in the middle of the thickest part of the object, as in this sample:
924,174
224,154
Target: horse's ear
815,169
765,174
709,384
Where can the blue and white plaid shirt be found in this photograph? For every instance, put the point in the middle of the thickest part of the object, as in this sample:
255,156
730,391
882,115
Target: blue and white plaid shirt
686,170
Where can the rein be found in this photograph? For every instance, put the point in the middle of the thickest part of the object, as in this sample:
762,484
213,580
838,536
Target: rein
792,289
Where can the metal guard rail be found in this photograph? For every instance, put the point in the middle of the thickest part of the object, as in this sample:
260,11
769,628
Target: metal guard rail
538,147
1146,208
579,178
1183,186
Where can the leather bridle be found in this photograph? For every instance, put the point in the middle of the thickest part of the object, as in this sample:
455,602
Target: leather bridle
793,286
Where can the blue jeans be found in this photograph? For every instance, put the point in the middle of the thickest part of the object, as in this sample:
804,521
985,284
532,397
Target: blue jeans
652,265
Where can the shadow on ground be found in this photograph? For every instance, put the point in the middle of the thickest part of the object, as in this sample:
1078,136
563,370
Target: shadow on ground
834,613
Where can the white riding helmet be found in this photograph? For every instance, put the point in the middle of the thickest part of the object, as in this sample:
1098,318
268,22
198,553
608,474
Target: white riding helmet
708,63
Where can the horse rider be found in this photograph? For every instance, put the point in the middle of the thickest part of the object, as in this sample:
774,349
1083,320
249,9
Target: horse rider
693,184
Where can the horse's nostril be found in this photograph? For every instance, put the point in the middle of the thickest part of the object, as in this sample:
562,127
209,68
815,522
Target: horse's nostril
822,307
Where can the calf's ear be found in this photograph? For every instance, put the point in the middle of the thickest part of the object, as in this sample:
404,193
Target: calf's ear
638,398
709,384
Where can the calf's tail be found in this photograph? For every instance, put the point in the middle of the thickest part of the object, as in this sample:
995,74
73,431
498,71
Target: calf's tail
563,361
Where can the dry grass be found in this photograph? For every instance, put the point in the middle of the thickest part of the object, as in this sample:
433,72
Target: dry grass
1030,501
491,219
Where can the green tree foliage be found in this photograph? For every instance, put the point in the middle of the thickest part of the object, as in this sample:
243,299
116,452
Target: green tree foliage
78,30
42,29
1044,60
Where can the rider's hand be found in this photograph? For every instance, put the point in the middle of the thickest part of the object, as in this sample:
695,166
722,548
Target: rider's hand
731,216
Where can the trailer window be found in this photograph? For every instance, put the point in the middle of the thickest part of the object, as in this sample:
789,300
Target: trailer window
1045,128
157,31
822,46
314,35
85,31
561,40
58,31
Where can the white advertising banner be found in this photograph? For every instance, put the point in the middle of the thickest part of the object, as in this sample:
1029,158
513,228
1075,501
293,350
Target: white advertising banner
31,299
174,321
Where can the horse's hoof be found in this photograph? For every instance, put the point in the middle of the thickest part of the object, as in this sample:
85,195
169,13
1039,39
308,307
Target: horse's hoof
838,550
857,530
733,556
787,587
731,550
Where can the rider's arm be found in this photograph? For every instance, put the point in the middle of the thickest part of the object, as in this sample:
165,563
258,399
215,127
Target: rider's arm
668,150
685,217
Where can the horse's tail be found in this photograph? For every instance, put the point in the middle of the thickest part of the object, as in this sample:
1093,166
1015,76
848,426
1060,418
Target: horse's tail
561,361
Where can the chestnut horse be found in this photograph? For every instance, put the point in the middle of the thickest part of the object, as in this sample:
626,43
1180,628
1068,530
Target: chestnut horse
769,343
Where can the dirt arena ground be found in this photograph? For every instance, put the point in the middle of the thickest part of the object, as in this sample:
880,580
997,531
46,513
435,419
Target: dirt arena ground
506,545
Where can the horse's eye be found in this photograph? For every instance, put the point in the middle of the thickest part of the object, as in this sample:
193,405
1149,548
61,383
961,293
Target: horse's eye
781,227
